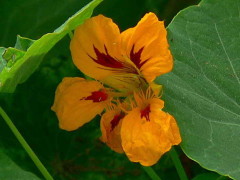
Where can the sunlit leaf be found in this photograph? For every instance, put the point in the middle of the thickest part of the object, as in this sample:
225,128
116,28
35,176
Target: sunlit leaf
20,69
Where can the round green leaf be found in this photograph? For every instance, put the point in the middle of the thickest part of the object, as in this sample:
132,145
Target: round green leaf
203,90
207,176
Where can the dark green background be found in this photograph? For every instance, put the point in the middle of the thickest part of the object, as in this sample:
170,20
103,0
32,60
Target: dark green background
78,154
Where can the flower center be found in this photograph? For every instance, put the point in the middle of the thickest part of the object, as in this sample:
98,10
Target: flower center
97,96
145,113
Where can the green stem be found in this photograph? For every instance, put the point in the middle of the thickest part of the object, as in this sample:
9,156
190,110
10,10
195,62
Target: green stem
178,164
27,148
151,173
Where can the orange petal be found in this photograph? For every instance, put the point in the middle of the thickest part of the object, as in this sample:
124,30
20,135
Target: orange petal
173,132
78,101
166,121
110,127
144,139
95,47
146,45
96,51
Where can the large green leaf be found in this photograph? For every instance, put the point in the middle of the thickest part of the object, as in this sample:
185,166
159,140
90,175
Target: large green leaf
9,170
27,62
203,91
209,176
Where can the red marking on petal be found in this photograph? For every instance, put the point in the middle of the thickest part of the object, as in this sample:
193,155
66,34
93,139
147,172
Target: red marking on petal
136,57
116,119
97,96
145,113
105,59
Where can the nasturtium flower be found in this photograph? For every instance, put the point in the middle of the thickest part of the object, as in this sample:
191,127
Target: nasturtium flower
123,67
121,60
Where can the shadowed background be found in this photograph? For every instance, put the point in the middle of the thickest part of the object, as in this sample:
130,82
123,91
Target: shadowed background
78,154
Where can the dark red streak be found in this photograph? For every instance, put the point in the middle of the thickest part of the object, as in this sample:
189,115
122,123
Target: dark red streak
136,57
145,113
116,119
97,96
105,59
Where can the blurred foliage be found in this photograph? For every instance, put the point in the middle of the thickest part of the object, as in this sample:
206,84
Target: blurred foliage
33,19
78,154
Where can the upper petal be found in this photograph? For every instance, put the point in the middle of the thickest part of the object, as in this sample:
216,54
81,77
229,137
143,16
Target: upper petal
77,101
95,47
147,46
96,51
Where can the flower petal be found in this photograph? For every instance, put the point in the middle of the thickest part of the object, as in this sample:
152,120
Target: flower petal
146,45
166,121
110,127
96,51
95,47
145,138
78,101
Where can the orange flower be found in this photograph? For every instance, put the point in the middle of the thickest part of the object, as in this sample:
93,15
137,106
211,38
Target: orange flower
127,63
122,60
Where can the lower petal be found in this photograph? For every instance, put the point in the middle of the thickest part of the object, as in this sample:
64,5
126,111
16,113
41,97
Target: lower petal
76,102
110,127
145,138
174,131
141,139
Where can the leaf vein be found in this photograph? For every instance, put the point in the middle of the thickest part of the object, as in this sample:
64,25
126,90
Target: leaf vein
207,100
225,51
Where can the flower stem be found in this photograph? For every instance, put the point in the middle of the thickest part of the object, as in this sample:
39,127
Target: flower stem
151,173
27,148
178,164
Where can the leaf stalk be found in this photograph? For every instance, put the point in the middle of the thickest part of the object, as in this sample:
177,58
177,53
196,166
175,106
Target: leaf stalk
25,145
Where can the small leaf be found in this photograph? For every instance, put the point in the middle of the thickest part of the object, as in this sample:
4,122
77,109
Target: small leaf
23,43
3,62
9,170
22,68
203,90
12,55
